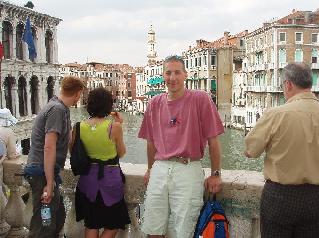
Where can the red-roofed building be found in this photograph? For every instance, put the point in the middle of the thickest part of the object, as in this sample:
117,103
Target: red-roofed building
117,78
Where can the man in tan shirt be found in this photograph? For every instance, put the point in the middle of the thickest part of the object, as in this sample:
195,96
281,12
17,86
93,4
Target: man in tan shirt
289,134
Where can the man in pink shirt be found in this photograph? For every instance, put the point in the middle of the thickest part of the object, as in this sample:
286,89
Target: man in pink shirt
177,126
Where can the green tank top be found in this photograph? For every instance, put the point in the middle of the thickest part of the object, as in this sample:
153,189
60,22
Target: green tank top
97,142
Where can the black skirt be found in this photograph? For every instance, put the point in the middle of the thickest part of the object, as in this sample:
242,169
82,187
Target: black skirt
96,215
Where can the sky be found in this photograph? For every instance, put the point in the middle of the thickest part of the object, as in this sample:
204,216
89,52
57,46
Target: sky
116,31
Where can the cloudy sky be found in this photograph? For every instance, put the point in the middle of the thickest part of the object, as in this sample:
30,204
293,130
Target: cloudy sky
116,31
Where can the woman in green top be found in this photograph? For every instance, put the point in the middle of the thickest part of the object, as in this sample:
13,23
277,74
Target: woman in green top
99,197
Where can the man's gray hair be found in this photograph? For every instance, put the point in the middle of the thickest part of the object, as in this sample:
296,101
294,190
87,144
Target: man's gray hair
299,74
175,58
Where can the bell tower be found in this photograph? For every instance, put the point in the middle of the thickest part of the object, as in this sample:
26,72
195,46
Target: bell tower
151,53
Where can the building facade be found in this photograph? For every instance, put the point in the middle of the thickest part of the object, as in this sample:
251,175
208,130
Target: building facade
293,38
27,83
210,68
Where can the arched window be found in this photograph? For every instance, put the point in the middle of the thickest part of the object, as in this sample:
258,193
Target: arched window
7,36
282,56
19,42
34,88
49,46
50,87
22,94
298,55
8,85
314,56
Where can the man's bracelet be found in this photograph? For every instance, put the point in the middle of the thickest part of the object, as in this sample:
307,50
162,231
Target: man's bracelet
216,173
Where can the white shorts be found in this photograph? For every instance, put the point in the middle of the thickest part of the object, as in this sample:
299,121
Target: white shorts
174,198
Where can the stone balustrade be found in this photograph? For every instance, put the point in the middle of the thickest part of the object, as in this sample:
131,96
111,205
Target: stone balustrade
23,128
240,198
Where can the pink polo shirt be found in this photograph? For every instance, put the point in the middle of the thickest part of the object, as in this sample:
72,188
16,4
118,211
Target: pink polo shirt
181,127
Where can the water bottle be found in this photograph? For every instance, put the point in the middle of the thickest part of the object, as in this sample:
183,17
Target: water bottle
45,213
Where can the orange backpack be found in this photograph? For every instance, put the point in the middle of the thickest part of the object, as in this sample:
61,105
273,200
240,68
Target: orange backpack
217,227
212,221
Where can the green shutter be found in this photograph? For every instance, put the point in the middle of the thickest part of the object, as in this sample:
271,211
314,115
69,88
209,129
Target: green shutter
314,78
282,56
213,85
281,100
298,55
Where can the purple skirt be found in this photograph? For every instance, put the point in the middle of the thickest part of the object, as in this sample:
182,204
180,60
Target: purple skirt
111,186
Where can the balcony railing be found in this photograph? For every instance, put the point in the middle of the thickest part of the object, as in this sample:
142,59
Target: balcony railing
260,67
256,88
241,190
315,66
274,89
282,65
271,65
315,88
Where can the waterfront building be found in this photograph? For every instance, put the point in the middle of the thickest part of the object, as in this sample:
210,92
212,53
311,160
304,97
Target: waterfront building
141,86
27,81
210,67
293,38
238,110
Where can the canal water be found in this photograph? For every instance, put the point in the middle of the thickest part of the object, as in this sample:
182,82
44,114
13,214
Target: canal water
232,143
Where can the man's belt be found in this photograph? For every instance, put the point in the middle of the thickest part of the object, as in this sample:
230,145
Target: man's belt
180,159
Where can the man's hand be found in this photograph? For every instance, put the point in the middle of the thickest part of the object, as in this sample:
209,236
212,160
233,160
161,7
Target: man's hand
147,176
213,184
47,194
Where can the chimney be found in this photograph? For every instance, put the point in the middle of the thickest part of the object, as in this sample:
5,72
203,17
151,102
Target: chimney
293,10
226,35
190,47
246,32
307,17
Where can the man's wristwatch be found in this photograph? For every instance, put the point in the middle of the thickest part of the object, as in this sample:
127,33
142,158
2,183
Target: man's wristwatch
216,173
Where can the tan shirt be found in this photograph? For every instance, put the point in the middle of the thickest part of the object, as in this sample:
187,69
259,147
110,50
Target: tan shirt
289,134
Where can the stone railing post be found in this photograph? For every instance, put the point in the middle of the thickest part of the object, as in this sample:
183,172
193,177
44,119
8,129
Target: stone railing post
134,195
28,211
14,211
71,227
4,226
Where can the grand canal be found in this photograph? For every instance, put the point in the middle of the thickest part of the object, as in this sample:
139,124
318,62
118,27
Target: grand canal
232,143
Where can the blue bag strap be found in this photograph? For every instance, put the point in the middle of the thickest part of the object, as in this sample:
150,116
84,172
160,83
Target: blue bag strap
212,197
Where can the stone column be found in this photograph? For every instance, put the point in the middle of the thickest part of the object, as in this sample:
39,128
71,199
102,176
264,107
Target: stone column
41,92
55,59
1,20
14,43
3,99
14,214
25,50
28,89
16,101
